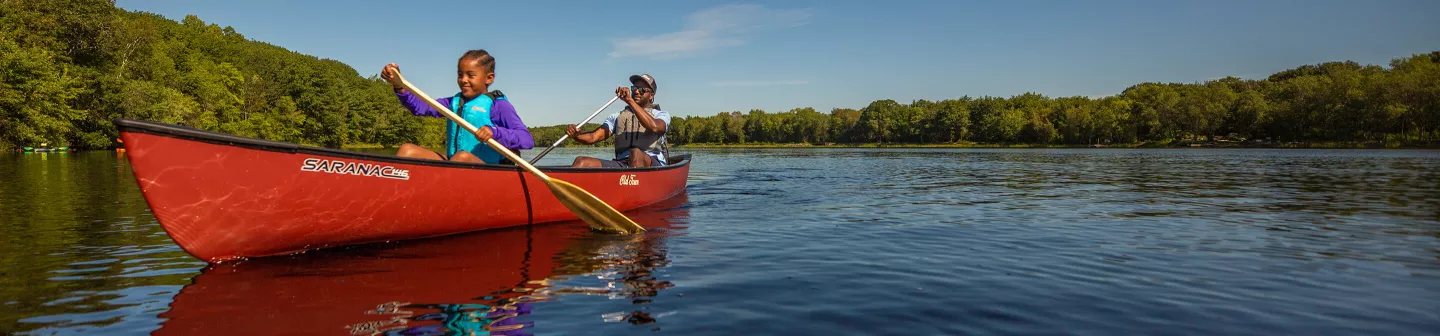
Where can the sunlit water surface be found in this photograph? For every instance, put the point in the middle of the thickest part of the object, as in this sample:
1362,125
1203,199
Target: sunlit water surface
811,241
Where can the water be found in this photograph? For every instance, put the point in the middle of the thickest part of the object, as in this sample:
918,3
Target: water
1083,241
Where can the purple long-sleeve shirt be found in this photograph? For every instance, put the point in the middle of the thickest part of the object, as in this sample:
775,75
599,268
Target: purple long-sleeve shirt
509,131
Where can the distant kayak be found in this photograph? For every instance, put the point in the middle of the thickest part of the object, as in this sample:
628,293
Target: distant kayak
46,149
223,197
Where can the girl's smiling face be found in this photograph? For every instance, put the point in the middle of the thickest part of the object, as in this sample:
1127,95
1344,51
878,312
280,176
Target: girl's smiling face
472,78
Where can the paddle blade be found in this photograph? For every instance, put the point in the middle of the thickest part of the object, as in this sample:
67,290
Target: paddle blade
591,209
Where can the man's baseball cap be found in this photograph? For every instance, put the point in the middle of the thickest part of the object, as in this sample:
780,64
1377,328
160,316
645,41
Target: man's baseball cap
644,78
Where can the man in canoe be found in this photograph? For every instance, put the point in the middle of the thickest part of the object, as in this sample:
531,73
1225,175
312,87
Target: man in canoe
639,129
490,111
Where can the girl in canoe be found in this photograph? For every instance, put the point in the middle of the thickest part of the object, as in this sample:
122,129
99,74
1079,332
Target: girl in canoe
488,110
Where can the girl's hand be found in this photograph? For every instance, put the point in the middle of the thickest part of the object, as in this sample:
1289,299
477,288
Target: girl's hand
391,74
484,134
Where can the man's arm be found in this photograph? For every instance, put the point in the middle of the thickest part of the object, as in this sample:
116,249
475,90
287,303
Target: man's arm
651,123
597,135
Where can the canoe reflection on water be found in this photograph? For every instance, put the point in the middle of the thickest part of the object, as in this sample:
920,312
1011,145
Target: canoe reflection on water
486,282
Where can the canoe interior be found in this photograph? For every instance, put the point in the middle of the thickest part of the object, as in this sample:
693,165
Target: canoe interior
189,133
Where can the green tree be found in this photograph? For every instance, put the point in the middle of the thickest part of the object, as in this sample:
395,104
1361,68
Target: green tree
950,121
842,125
37,93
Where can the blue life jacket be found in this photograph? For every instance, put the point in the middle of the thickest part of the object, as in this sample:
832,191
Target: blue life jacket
477,113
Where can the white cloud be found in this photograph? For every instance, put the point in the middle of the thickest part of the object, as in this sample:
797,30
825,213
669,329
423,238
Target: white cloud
709,29
761,83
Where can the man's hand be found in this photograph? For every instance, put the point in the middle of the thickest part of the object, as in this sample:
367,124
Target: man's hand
624,94
484,134
391,74
572,131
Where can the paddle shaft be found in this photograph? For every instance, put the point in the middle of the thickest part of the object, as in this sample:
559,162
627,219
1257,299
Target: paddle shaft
468,127
567,135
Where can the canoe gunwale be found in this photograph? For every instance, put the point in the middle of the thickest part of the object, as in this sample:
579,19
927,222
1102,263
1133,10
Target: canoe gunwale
194,134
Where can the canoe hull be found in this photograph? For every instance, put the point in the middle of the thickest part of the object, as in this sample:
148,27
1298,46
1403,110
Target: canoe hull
222,197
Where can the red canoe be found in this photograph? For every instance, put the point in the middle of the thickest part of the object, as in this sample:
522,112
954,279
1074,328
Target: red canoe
223,197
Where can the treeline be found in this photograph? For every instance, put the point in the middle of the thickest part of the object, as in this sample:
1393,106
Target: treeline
1337,101
67,67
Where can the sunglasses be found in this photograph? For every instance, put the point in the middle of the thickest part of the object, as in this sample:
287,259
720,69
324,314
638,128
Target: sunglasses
640,89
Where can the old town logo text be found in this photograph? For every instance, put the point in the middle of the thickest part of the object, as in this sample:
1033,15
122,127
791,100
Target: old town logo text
354,168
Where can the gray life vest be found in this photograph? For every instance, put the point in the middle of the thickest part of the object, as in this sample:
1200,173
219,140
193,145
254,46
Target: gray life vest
630,133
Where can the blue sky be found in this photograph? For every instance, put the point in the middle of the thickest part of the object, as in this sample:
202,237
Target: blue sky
560,60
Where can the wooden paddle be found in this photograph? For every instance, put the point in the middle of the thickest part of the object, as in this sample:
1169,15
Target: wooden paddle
592,210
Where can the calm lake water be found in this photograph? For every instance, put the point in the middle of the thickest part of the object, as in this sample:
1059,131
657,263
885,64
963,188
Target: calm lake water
824,241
